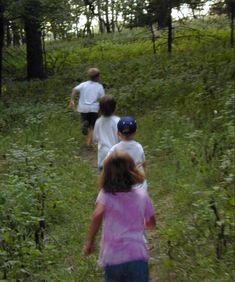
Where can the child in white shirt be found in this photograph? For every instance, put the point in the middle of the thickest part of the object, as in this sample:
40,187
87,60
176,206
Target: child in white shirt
88,104
105,130
126,132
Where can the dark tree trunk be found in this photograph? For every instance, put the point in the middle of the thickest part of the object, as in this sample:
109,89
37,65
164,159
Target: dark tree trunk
232,25
169,43
8,34
87,28
54,35
113,18
153,39
1,41
33,43
101,21
16,34
131,22
107,24
44,51
22,35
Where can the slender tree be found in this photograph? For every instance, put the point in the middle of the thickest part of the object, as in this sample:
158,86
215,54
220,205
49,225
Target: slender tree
169,23
226,7
101,20
231,10
33,39
1,40
8,33
15,34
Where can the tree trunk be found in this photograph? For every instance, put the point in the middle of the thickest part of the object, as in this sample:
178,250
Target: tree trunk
44,52
22,35
153,39
232,25
107,16
131,22
33,44
169,42
87,28
1,41
101,21
113,17
16,34
8,34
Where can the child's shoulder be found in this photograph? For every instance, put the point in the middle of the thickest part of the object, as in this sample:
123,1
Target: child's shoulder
138,144
99,120
140,190
111,119
84,82
115,118
135,143
81,84
98,84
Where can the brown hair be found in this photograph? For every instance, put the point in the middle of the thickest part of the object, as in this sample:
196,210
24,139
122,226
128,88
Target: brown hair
119,173
107,105
93,73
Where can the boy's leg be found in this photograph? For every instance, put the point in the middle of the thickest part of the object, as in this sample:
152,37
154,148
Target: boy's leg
92,117
85,123
89,137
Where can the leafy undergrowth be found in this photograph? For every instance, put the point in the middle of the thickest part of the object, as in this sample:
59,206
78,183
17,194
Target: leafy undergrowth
184,105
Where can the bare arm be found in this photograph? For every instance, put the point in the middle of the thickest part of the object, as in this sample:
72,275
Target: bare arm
96,222
151,223
72,97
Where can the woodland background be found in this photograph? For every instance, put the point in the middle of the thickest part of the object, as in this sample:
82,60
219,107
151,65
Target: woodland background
174,74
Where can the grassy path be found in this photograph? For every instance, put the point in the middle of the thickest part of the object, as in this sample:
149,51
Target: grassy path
184,107
172,178
77,192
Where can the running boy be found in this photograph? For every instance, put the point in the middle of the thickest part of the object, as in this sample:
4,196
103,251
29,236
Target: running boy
105,130
88,105
124,212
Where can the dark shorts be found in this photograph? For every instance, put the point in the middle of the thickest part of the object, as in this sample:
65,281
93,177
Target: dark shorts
89,118
133,271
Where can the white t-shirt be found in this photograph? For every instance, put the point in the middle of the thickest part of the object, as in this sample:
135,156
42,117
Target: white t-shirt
90,93
105,133
133,148
136,151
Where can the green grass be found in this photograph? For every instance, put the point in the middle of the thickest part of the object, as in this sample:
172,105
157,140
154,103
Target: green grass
184,110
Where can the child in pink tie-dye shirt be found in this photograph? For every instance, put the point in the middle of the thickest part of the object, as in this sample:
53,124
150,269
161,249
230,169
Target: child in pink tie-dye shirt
125,213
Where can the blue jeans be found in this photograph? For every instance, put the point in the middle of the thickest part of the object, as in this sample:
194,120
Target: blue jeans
133,271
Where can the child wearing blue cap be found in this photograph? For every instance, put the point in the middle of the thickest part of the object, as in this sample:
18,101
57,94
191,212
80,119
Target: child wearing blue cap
126,132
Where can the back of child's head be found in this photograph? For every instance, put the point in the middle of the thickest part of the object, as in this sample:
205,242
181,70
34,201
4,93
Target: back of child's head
107,105
127,125
93,73
119,173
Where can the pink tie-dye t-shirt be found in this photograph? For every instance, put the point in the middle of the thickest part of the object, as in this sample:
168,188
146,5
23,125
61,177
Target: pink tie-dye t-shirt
122,237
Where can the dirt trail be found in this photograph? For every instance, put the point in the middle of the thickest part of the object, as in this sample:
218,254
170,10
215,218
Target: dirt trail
88,155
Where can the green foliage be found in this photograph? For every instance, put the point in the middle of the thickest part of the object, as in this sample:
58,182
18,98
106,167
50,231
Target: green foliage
184,106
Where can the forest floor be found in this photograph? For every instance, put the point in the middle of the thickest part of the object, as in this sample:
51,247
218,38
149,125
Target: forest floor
184,107
70,260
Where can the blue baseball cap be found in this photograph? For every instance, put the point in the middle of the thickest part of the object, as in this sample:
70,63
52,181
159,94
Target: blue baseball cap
127,125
